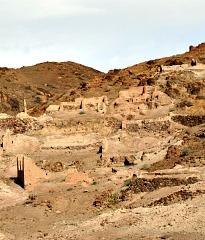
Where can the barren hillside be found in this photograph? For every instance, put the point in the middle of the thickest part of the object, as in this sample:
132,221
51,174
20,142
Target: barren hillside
41,84
51,82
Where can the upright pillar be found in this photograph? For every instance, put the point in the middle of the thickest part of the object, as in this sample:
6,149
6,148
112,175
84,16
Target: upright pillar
25,105
20,172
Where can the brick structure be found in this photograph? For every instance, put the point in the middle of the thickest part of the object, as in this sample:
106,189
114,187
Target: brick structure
20,172
28,174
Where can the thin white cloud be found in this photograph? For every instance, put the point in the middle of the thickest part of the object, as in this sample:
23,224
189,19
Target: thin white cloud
101,33
18,10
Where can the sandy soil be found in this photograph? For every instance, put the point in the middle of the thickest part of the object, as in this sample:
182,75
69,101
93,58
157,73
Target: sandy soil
61,209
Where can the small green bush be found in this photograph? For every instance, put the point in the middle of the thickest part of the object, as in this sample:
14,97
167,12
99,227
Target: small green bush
81,112
172,109
185,104
134,77
186,152
128,182
129,117
145,167
113,199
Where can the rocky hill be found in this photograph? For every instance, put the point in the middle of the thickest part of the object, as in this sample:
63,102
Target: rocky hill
52,82
41,84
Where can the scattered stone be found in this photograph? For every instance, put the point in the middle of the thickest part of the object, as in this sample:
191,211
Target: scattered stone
114,170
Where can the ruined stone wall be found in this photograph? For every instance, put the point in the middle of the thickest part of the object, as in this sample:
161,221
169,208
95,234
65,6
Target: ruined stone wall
141,103
19,143
76,125
27,172
97,104
189,121
149,126
17,125
85,125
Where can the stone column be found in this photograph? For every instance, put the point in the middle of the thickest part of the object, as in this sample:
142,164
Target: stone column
7,141
25,105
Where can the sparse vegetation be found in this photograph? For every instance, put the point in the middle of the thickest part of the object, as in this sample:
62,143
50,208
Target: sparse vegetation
82,112
135,77
186,152
38,100
129,117
106,90
172,109
28,88
113,199
128,182
145,167
6,180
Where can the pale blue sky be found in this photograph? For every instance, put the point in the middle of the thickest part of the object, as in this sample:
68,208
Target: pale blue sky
103,34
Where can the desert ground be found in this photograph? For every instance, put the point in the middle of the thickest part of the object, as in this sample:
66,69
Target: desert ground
121,156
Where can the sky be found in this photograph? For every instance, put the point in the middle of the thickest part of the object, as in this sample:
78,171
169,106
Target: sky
103,34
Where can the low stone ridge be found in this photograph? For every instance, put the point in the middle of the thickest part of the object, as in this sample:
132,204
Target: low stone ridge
176,197
189,121
148,185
